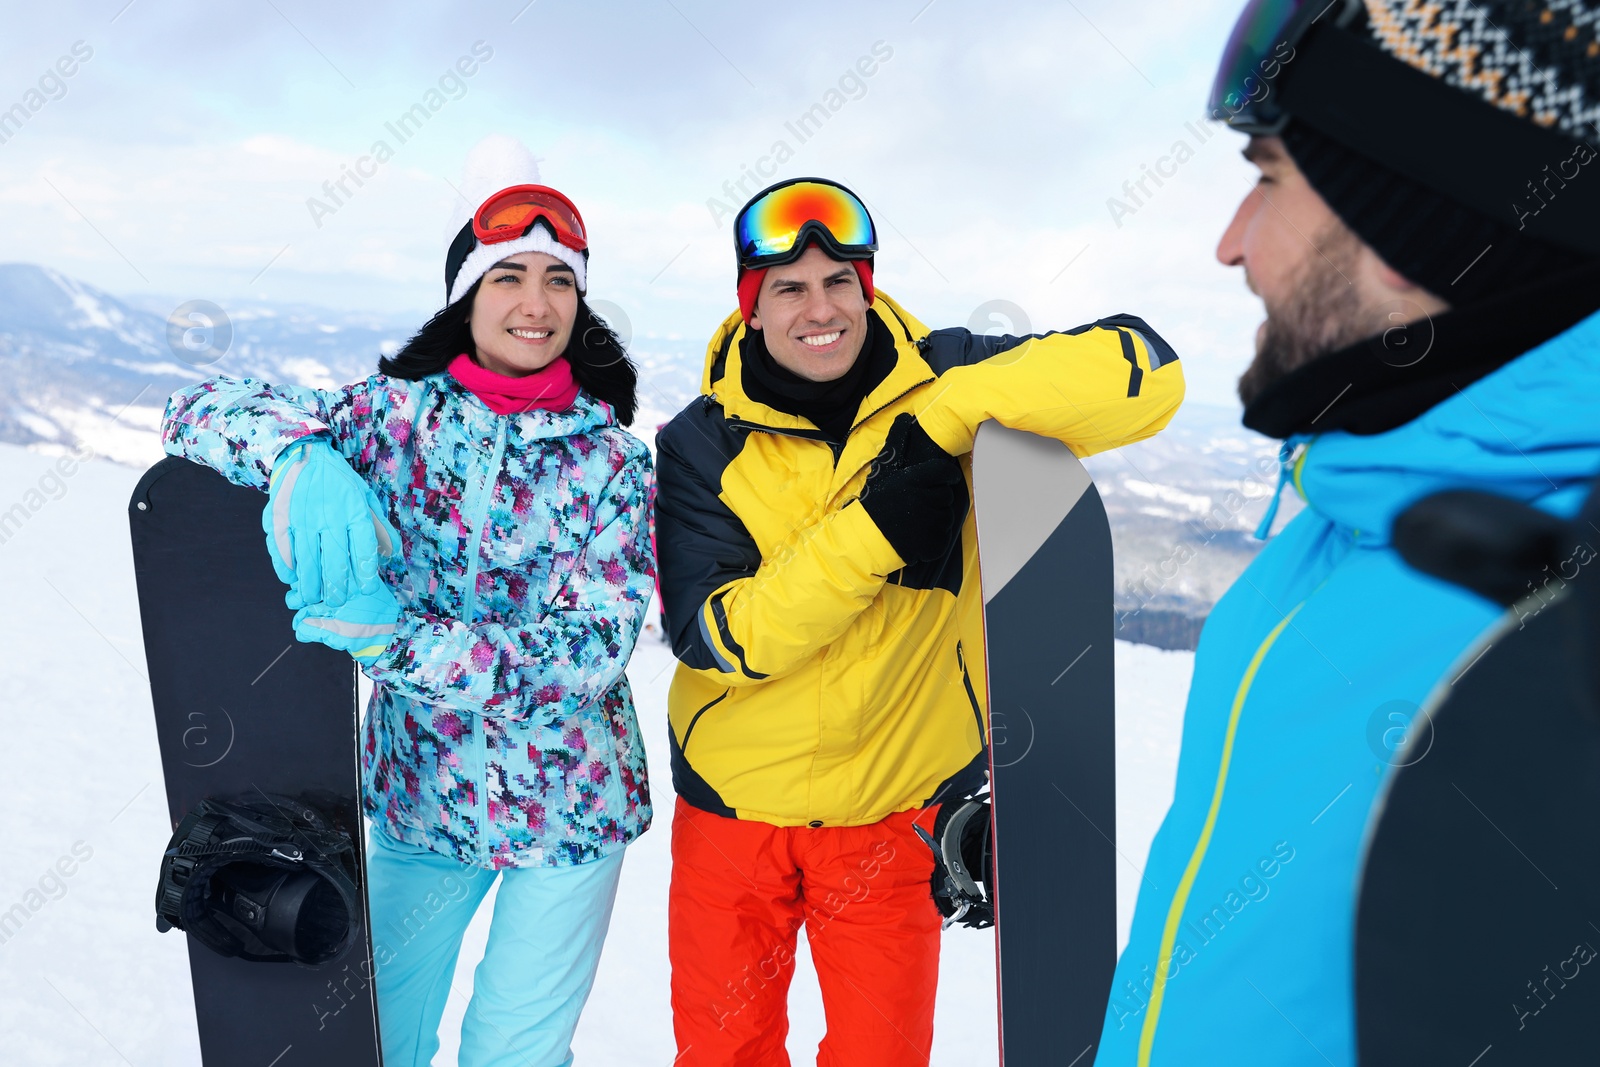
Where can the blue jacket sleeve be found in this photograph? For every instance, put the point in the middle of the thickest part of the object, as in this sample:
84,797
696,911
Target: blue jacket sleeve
553,666
237,427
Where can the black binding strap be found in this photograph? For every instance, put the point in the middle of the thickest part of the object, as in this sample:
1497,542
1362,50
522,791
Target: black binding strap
269,881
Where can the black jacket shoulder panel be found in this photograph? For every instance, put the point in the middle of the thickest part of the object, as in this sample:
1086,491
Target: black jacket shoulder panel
959,347
955,346
701,545
700,436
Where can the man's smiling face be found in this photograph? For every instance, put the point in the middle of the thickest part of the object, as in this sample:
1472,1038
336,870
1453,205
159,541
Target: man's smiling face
813,315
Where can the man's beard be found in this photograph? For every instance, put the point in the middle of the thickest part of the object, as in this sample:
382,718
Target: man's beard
1321,315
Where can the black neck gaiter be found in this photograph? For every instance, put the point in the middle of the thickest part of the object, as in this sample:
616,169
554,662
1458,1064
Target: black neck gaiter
1376,385
832,406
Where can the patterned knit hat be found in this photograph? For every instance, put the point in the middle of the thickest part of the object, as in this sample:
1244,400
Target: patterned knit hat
1419,192
1538,60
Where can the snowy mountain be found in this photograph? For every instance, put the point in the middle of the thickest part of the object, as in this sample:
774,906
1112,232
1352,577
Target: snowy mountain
1183,507
89,371
86,369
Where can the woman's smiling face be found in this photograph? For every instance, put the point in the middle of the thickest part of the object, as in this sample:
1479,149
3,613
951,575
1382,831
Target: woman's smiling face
523,313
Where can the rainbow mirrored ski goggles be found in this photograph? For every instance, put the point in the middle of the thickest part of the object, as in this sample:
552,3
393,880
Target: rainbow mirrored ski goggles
777,225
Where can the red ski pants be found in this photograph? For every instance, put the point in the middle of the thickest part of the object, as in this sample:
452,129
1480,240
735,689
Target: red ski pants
741,890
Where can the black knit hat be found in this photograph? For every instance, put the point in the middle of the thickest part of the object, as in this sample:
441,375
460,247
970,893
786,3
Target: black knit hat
1539,61
1452,251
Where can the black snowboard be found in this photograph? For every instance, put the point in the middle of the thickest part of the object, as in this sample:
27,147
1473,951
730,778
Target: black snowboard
1045,550
1476,936
245,712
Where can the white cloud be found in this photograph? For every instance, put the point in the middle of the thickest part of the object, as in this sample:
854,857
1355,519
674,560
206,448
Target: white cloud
988,143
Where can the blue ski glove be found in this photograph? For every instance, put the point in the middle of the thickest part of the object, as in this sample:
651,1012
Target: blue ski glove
326,531
363,625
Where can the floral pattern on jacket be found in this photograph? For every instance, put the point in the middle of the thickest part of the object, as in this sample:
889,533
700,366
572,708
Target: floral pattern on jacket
501,729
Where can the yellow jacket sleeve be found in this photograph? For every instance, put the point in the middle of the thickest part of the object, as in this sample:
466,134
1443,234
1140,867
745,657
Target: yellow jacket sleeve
1100,386
732,615
803,598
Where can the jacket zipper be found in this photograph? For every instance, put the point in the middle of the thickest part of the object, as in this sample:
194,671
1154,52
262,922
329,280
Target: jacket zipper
743,424
972,695
469,605
480,514
684,747
1180,898
888,403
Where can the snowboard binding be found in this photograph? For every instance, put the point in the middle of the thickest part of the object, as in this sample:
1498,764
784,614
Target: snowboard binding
270,881
962,859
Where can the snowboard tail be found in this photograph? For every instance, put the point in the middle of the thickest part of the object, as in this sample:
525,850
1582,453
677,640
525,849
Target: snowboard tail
246,714
1045,552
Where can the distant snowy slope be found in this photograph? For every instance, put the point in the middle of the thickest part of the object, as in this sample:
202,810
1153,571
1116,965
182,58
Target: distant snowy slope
83,367
84,977
1183,507
86,369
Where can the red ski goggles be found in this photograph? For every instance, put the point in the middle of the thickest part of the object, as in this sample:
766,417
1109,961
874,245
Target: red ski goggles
781,221
511,213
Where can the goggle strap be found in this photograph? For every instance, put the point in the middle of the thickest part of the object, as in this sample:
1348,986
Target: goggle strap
813,231
466,240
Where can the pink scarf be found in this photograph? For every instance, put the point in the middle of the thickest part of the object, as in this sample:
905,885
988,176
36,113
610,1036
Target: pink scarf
551,388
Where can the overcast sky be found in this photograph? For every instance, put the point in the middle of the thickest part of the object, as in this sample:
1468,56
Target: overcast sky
179,157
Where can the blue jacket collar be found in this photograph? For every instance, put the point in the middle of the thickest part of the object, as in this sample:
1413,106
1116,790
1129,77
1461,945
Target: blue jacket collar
1530,430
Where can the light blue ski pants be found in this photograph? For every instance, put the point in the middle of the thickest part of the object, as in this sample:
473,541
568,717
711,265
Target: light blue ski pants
544,945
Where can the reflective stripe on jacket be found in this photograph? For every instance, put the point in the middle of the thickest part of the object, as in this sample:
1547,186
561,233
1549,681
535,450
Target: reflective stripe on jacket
821,680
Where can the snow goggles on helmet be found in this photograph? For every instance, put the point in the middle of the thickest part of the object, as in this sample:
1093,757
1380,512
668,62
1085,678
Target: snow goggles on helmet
777,225
511,213
1263,42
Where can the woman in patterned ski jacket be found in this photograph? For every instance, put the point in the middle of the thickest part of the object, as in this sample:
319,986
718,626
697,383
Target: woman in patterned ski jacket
501,734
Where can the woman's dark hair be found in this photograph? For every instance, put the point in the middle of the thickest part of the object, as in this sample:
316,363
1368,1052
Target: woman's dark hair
599,362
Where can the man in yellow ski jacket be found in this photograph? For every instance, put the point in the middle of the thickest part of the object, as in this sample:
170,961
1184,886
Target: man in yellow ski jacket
819,577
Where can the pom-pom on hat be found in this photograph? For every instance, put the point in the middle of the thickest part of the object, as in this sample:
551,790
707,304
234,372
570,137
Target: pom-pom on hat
497,162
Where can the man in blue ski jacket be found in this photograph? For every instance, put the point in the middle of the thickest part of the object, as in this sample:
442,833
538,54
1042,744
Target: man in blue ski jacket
1425,237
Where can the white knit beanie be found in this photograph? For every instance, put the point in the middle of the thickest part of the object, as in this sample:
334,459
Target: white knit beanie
498,162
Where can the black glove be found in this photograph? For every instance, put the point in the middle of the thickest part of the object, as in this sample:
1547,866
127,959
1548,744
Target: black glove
916,494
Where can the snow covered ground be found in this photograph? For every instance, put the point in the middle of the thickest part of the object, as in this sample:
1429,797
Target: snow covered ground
85,979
